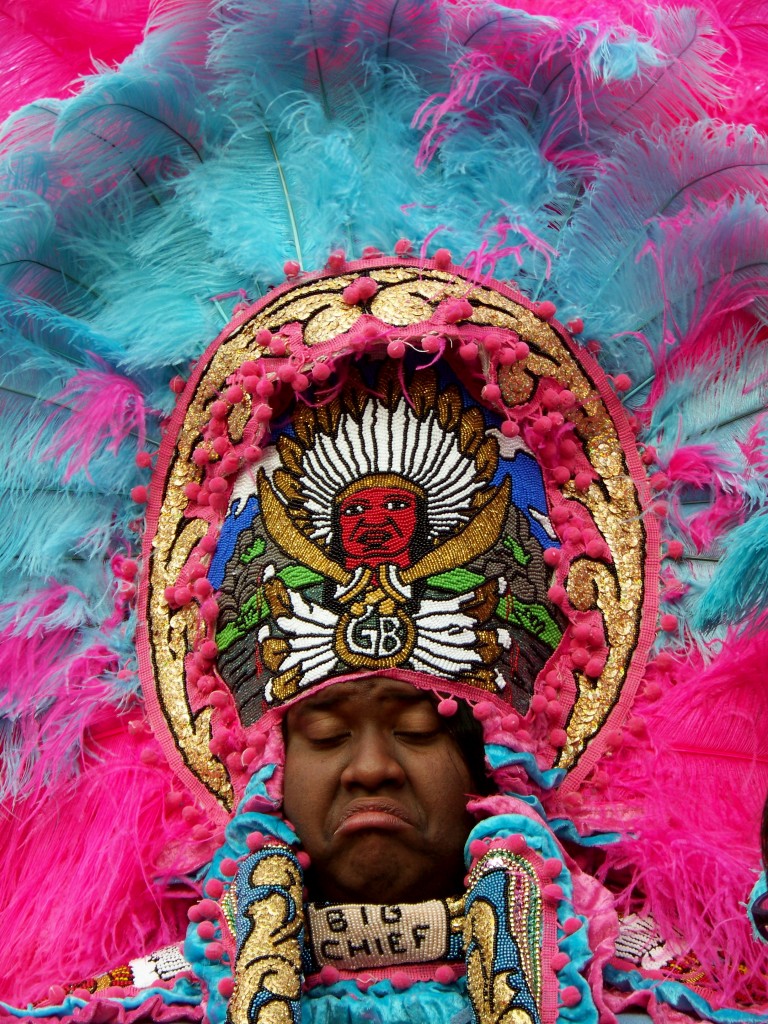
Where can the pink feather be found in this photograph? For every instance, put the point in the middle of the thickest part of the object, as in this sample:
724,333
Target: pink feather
47,47
105,859
105,408
690,779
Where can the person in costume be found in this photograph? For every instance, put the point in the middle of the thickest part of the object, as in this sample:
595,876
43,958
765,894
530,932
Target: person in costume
522,480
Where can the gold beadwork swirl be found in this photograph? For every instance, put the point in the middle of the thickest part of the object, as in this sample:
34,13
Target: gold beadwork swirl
270,957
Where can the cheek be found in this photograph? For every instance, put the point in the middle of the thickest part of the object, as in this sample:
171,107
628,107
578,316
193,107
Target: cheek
448,785
302,804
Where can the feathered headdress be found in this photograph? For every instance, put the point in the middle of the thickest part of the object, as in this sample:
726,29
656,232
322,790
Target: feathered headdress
608,166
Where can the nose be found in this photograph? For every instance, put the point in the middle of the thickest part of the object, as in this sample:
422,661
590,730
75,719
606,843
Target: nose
373,763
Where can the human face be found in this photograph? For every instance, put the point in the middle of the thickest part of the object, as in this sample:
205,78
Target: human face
377,791
377,525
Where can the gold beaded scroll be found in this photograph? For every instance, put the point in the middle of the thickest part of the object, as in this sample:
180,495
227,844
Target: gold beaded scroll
611,585
267,968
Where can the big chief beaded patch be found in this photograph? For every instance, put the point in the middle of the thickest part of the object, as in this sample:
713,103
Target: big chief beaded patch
395,470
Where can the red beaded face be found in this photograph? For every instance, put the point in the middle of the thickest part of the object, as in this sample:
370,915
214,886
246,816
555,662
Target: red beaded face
377,525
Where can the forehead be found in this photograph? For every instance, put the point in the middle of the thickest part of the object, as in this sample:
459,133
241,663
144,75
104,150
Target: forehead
354,695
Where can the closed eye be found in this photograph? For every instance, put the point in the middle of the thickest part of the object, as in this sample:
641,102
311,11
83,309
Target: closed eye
327,741
418,736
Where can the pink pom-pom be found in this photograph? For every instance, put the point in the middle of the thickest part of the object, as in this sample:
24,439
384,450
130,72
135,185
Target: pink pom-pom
579,656
553,892
336,261
491,392
675,549
542,425
56,994
209,650
218,503
366,287
614,739
304,859
570,995
143,460
558,738
443,259
468,352
552,867
177,385
546,310
556,594
521,351
214,887
444,975
207,909
571,925
254,841
575,326
668,623
202,587
396,349
226,987
291,269
594,667
538,703
560,960
447,707
509,428
482,710
173,800
214,951
359,290
457,309
403,246
140,494
553,709
400,981
478,847
622,382
552,557
200,456
320,372
329,975
206,930
561,474
516,843
583,480
228,867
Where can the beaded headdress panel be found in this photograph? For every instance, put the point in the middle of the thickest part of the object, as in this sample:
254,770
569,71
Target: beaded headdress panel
389,468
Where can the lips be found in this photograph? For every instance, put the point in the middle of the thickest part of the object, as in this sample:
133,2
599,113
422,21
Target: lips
373,815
